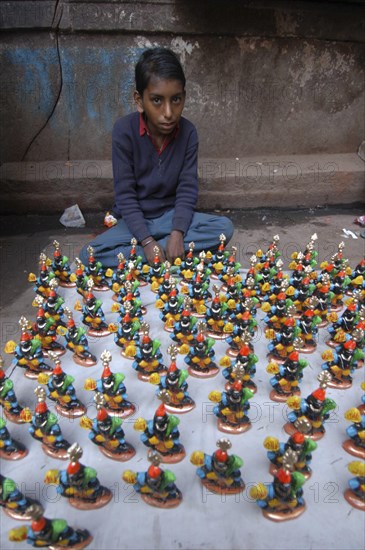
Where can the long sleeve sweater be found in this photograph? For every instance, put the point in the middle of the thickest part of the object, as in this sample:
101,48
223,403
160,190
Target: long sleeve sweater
146,183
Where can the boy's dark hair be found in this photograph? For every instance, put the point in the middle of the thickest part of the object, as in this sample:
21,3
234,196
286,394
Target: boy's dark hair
159,62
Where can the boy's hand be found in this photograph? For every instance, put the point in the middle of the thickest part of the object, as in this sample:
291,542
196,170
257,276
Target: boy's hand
175,246
149,252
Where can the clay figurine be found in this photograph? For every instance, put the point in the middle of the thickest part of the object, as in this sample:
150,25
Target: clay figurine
232,406
231,268
217,261
156,486
308,323
315,408
171,310
53,305
45,329
198,290
244,327
93,315
8,400
96,272
44,427
220,472
148,357
278,312
355,445
287,376
111,386
218,326
119,275
10,449
78,343
127,334
303,447
107,433
186,267
55,534
343,325
282,499
341,362
285,339
308,256
184,330
81,278
61,268
79,483
60,389
42,282
201,356
161,434
174,386
324,296
355,494
156,271
12,501
245,361
28,354
138,267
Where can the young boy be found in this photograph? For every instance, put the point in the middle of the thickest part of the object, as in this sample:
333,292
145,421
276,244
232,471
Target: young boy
155,156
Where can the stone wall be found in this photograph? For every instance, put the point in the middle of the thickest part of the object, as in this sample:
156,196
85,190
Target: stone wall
263,79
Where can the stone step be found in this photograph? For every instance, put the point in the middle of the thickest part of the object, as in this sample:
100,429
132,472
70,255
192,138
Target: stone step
289,181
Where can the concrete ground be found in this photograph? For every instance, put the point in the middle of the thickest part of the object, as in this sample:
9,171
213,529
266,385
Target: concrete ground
24,237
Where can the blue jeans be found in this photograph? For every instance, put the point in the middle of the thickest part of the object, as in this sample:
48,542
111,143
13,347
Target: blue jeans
204,231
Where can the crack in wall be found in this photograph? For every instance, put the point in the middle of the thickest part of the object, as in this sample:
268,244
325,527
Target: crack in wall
55,26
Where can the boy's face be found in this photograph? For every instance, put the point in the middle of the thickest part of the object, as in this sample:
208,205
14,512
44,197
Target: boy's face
162,102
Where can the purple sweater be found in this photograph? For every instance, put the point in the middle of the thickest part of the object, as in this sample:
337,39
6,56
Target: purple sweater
147,184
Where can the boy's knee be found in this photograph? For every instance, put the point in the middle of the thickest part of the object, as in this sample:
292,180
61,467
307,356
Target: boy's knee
227,228
84,255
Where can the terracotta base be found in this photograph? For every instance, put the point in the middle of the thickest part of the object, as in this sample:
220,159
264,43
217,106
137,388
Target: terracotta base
66,284
201,374
197,315
308,348
173,408
101,288
354,500
168,329
331,343
33,375
15,455
215,487
77,546
353,449
276,358
291,430
339,384
101,501
58,351
123,354
233,429
214,276
98,333
120,456
232,352
336,307
323,324
74,412
361,408
173,458
283,515
13,417
162,503
282,397
14,514
121,413
217,335
84,362
360,363
145,377
61,454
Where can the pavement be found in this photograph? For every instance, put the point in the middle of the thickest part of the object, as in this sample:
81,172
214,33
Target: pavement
25,237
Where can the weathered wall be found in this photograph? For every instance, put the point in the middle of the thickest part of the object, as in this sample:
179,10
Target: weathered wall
264,78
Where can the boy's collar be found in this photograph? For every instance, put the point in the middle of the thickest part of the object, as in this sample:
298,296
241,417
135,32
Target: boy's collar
143,128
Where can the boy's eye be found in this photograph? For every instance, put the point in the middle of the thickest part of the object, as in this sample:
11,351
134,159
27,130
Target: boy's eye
156,100
176,99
